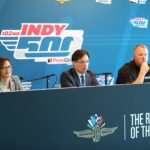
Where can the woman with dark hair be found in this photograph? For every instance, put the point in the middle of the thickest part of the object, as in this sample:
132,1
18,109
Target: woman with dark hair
8,82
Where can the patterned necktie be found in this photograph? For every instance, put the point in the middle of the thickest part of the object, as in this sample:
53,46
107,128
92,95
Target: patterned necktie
82,81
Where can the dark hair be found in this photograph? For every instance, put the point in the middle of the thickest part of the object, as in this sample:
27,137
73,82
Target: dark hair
2,61
79,54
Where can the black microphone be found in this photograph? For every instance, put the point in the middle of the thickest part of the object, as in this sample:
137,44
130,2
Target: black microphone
30,80
48,76
21,78
104,73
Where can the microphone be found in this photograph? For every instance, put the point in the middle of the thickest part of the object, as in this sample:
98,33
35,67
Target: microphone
21,78
104,73
47,76
44,77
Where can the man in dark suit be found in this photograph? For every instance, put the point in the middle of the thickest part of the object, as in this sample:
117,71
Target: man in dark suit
79,75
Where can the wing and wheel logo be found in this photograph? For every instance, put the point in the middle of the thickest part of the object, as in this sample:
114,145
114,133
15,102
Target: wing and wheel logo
96,129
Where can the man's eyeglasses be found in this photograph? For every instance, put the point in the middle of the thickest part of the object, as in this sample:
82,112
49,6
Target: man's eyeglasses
83,62
6,67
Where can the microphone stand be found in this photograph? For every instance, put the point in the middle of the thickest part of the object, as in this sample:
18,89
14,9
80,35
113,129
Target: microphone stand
47,81
106,77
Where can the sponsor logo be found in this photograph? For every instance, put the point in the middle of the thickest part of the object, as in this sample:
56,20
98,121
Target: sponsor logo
62,1
43,42
104,1
139,22
96,129
138,1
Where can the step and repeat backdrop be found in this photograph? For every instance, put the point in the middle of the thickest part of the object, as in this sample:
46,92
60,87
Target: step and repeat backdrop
39,36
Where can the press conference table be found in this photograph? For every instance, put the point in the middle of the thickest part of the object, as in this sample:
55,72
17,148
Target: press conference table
91,118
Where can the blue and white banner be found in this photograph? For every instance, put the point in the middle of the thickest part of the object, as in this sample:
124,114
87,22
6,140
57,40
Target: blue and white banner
39,37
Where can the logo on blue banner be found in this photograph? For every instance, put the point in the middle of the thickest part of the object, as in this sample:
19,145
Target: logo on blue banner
138,1
96,129
139,22
43,42
62,1
104,1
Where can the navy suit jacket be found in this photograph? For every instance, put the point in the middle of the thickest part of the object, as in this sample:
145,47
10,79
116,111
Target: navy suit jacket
70,78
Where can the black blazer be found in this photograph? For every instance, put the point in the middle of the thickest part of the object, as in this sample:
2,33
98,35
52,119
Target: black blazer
70,78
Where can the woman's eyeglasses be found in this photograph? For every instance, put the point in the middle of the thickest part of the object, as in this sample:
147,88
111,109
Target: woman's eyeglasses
6,67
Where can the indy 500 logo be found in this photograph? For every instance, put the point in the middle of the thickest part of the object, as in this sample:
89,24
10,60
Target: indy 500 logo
43,42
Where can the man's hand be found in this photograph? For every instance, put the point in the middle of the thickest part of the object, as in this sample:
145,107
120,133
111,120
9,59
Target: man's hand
144,68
